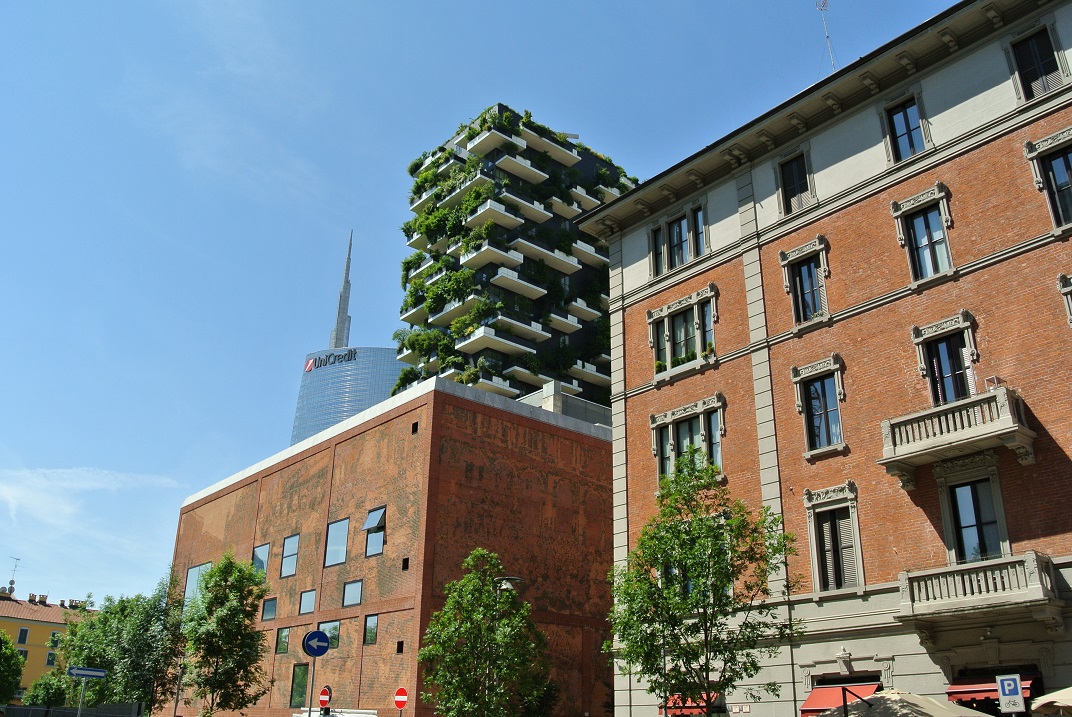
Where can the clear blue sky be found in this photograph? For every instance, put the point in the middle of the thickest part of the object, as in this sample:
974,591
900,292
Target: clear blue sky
178,181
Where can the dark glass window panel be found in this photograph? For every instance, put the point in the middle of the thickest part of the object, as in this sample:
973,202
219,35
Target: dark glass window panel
795,193
1036,64
824,419
927,241
299,685
1058,171
268,609
906,132
975,521
946,369
807,299
679,242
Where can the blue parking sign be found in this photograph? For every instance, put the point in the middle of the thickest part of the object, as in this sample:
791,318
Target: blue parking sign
1010,694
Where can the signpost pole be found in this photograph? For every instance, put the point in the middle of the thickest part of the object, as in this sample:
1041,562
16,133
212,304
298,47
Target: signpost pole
81,697
312,686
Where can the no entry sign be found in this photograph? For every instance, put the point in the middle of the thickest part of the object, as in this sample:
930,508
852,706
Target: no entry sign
325,696
401,698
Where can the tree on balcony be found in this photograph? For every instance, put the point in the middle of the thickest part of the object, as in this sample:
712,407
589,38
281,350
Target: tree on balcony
692,611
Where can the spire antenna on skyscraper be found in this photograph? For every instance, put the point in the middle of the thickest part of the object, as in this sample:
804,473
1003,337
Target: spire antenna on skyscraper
340,335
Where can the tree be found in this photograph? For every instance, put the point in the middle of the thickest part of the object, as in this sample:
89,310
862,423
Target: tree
483,653
691,603
48,690
136,639
11,663
224,648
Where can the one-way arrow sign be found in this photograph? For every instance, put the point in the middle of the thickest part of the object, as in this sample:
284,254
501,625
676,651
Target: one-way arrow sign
95,672
315,643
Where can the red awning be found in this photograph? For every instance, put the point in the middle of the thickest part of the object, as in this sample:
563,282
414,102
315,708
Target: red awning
827,697
966,689
675,706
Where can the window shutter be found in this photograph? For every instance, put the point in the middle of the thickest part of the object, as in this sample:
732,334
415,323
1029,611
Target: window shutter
1037,65
826,551
848,549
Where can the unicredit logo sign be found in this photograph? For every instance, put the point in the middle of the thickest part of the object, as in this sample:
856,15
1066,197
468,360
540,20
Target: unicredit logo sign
330,359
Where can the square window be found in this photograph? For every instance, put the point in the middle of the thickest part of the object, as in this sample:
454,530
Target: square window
332,630
351,593
289,565
928,249
1036,64
795,191
372,624
268,609
260,558
821,412
24,635
906,131
335,552
50,659
282,640
299,685
375,528
696,425
307,602
684,330
836,549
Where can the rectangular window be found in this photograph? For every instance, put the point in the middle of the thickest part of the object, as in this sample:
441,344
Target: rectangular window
682,338
351,593
260,558
700,426
193,581
975,521
836,550
24,635
289,565
714,439
372,624
806,288
679,242
1058,177
821,412
299,685
660,347
282,640
928,248
23,654
1036,64
906,133
666,459
946,369
375,528
332,630
687,435
707,325
335,552
658,260
50,659
795,192
307,602
268,609
54,639
699,241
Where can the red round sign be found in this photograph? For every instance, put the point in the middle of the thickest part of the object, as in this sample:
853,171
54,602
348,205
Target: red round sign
401,698
325,696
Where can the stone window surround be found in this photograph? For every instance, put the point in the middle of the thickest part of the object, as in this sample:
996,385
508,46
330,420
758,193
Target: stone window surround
715,403
938,194
817,246
954,471
1036,151
823,499
661,316
1022,32
801,375
962,321
662,224
912,91
804,148
1064,286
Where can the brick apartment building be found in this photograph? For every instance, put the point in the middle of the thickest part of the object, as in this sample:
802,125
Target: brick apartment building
859,305
360,527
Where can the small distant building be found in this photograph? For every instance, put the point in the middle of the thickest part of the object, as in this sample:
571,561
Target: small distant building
342,380
35,626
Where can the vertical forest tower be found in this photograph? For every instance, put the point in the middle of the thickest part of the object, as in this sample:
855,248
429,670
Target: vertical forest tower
502,291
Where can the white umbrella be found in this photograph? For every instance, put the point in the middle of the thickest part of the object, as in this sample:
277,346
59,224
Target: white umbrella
893,703
1053,703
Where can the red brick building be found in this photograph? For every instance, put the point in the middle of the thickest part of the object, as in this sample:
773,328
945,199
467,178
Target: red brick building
858,304
361,526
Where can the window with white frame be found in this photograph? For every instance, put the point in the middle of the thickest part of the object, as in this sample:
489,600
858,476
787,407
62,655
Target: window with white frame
946,351
684,330
1036,65
1064,287
922,223
678,240
795,184
700,424
804,272
1051,165
973,514
819,391
834,529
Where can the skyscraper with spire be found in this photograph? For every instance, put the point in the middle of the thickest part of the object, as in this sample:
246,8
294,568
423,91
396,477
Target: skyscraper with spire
342,380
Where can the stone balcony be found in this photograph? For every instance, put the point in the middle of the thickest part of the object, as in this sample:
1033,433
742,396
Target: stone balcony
991,419
987,588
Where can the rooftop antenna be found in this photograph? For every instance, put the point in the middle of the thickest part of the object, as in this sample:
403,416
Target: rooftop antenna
14,568
820,5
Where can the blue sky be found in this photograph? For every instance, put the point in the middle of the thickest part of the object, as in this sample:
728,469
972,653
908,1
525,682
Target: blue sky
178,181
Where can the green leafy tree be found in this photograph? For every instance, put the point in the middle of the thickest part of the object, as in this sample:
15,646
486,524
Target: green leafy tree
136,639
48,690
224,648
692,610
11,663
483,654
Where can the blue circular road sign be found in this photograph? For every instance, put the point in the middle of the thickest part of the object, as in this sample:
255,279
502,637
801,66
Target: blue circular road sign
315,643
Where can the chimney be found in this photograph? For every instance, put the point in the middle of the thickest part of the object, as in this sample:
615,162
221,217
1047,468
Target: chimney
61,603
32,597
43,599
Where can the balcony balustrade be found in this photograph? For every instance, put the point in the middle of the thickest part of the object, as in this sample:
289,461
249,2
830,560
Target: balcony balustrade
590,372
563,208
488,253
552,257
521,167
589,254
490,139
486,337
493,211
558,152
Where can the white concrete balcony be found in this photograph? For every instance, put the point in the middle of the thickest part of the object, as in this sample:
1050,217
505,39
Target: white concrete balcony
418,242
416,315
610,193
552,257
486,337
521,167
589,254
478,179
487,254
453,310
405,355
563,322
558,152
510,280
590,373
527,207
493,211
524,375
991,419
568,209
422,202
531,330
496,384
583,311
586,200
425,265
1019,583
490,139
